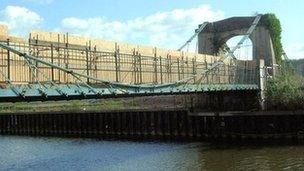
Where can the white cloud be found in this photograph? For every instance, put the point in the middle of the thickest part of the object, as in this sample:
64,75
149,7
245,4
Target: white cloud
164,29
19,19
295,51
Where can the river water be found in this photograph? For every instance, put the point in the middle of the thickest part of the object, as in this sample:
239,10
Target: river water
31,153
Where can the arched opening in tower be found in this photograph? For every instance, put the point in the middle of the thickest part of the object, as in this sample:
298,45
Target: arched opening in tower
245,52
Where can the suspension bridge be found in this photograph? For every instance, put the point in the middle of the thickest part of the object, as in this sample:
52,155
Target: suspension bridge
230,92
37,66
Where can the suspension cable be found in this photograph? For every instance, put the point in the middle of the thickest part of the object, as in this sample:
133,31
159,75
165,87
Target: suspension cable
198,31
230,53
122,85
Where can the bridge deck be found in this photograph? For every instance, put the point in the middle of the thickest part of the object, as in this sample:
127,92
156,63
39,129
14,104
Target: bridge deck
69,92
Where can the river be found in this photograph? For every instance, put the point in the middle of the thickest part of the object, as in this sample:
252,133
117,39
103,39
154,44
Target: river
32,153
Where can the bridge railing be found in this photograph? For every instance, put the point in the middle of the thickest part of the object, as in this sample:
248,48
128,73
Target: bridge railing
130,68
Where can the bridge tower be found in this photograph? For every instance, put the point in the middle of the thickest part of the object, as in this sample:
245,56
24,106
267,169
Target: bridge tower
216,34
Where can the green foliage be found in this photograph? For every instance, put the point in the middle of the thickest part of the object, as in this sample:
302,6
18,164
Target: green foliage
285,92
272,23
297,64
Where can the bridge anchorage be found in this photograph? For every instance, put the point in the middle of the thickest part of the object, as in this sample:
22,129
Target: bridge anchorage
224,73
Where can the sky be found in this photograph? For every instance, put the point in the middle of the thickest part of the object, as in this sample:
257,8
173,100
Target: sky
161,23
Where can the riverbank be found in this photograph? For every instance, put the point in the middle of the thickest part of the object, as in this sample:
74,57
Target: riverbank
285,91
95,105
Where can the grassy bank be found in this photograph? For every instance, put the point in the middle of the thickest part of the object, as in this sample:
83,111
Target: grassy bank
75,105
153,103
286,91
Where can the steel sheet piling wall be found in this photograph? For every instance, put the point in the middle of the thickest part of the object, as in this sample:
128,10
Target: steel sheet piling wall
153,124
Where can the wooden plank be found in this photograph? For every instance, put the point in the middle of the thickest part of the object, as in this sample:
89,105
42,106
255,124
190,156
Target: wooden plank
3,31
129,63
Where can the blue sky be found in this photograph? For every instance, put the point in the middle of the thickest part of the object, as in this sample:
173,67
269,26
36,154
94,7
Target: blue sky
165,23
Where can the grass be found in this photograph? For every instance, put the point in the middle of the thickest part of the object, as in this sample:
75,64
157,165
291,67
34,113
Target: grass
74,105
128,103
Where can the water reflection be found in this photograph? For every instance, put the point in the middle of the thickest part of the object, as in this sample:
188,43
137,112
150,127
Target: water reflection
26,153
